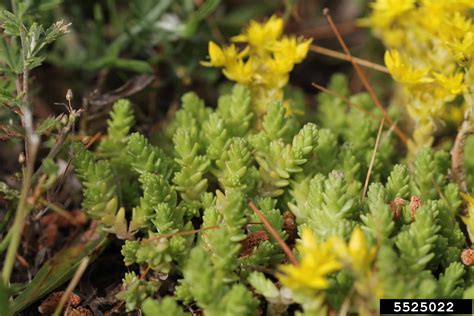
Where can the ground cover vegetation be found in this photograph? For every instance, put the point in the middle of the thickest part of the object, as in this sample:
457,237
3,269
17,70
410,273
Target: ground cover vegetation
238,198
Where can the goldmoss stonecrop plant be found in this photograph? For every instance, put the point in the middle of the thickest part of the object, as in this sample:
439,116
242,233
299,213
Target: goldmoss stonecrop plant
184,212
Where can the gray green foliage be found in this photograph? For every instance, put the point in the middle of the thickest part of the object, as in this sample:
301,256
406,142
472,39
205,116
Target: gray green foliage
165,306
398,183
100,195
337,212
378,221
212,294
416,244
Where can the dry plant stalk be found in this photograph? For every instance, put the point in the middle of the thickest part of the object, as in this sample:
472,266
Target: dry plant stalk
363,78
372,159
335,54
72,285
457,154
274,234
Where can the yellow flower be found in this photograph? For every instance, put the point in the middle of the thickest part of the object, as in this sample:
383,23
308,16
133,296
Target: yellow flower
317,261
220,57
385,12
432,39
459,25
216,56
263,64
239,71
357,253
294,50
260,35
448,5
450,84
403,72
275,72
463,49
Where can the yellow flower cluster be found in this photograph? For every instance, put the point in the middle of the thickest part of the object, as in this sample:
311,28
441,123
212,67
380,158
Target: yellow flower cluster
317,261
263,62
431,49
320,259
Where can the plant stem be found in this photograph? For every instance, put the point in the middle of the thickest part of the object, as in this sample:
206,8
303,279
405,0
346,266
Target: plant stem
372,160
31,146
5,241
13,3
20,216
275,234
457,154
59,210
58,144
72,285
335,54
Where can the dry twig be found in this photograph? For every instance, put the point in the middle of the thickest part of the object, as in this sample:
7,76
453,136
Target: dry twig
72,285
362,77
335,54
372,160
274,234
457,154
